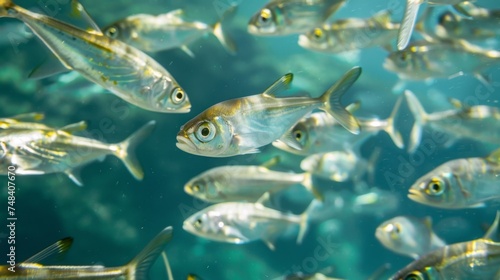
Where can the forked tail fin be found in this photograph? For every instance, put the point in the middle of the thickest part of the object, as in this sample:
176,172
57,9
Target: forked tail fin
420,117
125,150
138,268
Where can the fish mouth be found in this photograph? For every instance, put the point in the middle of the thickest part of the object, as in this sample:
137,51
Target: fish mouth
389,65
414,195
187,227
252,29
185,144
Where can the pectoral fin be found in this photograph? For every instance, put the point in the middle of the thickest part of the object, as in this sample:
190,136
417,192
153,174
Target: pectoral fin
408,23
49,67
74,175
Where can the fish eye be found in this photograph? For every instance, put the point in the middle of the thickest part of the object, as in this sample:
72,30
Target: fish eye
265,16
198,223
395,230
112,32
177,95
318,33
435,187
297,134
444,18
403,56
414,275
205,131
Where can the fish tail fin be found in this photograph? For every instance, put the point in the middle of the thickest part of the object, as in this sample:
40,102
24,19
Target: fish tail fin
304,219
420,117
391,129
309,185
138,267
331,100
218,32
125,150
5,5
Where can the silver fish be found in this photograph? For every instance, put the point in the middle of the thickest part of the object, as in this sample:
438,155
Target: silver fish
319,133
482,26
242,183
125,71
443,59
243,222
410,17
475,260
351,34
460,183
480,122
338,166
284,17
136,269
155,33
409,236
56,151
242,125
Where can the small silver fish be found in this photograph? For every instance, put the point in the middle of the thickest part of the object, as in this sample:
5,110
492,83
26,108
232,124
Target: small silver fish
284,17
136,269
480,122
243,222
319,133
351,34
242,183
473,260
410,17
125,71
409,236
480,27
242,125
155,33
459,183
338,166
443,59
56,151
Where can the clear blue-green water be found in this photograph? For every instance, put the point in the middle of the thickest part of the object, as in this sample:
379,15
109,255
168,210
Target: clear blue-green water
112,217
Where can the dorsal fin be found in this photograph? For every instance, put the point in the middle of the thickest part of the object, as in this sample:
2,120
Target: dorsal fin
59,247
456,103
353,107
80,11
74,127
492,233
382,17
281,84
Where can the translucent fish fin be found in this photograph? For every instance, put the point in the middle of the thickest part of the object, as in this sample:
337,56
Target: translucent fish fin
494,157
167,265
26,162
28,117
492,233
483,79
271,162
125,150
353,107
143,261
263,199
187,51
49,67
74,127
192,276
59,247
331,100
409,19
372,160
383,17
456,103
380,272
391,129
281,84
74,175
80,11
269,241
175,13
420,117
307,182
218,32
304,219
333,9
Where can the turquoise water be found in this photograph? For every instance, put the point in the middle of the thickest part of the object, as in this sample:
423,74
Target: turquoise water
113,216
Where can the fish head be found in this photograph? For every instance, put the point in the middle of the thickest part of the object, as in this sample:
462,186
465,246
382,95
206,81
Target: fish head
448,24
417,270
165,95
266,21
119,30
203,187
213,224
205,136
400,235
400,61
438,188
295,140
316,39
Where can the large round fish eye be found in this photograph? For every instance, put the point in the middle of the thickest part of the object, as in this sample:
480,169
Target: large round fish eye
205,132
265,16
198,223
177,95
414,275
435,187
111,32
395,230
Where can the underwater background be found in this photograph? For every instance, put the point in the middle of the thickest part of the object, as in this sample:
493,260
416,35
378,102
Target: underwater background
113,216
